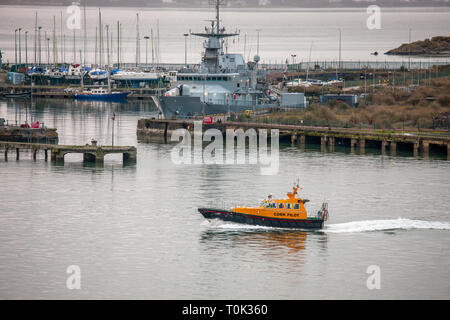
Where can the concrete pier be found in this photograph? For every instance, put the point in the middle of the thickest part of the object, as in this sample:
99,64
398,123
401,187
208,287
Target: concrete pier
91,153
357,138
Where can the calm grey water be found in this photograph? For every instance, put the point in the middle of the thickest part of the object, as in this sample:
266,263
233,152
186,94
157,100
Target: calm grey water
134,231
310,34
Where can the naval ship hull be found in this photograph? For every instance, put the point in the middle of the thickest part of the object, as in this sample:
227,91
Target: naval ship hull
225,215
185,106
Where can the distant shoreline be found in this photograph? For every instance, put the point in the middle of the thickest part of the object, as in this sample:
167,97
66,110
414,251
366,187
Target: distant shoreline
438,46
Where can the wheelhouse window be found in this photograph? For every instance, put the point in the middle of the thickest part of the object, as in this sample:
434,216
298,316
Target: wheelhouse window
296,206
280,206
288,206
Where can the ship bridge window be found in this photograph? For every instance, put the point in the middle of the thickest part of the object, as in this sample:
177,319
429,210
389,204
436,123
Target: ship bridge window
280,206
296,206
288,206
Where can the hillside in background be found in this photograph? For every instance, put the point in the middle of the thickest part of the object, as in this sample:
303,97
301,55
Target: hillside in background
436,46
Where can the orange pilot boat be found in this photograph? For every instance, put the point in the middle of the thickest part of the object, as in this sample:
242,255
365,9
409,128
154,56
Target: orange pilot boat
281,213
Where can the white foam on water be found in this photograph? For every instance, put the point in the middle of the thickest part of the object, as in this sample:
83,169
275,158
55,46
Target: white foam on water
219,224
385,225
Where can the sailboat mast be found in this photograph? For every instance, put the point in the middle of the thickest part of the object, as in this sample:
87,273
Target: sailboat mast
107,44
118,44
85,33
158,57
153,50
100,34
35,39
96,33
137,40
54,40
61,36
74,48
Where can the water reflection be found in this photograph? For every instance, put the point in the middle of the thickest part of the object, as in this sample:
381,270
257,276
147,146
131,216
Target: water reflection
268,241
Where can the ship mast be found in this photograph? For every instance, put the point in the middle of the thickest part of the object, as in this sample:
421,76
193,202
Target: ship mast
214,35
218,3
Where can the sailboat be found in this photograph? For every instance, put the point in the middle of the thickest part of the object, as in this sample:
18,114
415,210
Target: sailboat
102,94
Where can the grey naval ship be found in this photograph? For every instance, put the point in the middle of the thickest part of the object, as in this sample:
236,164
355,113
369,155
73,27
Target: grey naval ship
222,83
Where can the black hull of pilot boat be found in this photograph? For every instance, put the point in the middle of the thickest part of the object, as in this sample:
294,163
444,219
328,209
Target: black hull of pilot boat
261,221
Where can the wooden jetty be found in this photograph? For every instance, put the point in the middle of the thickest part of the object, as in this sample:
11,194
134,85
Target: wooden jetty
91,153
417,142
59,92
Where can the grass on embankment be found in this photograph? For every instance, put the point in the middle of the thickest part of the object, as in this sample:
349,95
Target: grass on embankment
426,107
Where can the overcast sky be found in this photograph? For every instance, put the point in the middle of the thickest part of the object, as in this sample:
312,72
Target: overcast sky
251,3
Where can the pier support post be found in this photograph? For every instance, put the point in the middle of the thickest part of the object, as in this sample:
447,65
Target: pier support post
99,156
302,140
425,149
384,144
331,142
393,148
352,145
448,151
129,157
46,154
57,156
362,145
416,149
293,138
99,159
34,151
6,153
323,143
17,154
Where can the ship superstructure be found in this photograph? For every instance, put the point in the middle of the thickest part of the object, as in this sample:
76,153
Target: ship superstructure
222,83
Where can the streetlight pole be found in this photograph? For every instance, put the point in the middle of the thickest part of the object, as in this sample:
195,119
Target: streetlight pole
146,50
340,49
15,47
26,49
185,49
293,60
48,49
409,51
20,49
35,39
